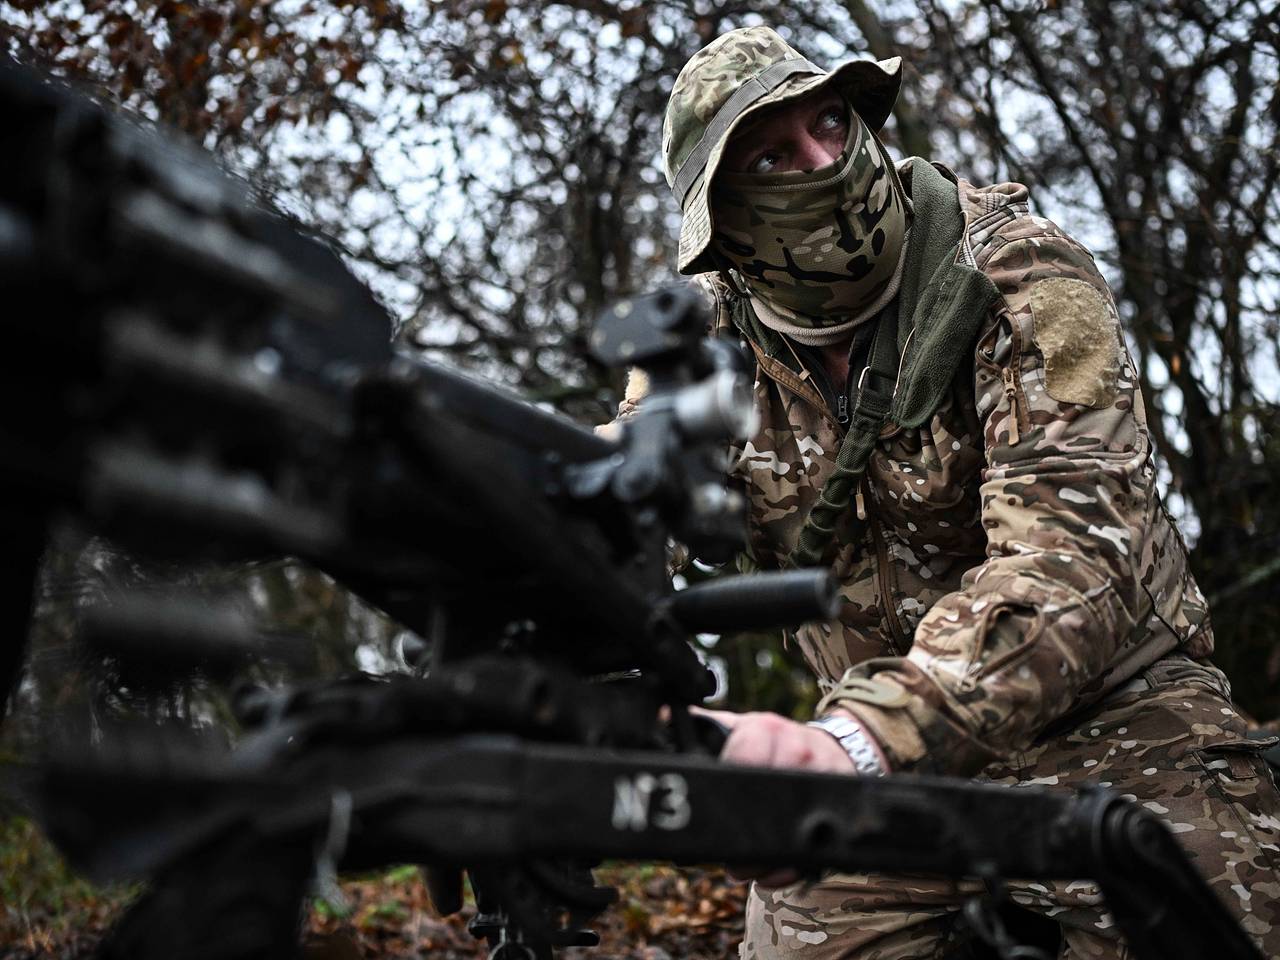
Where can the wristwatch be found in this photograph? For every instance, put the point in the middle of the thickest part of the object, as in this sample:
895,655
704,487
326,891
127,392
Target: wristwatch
868,759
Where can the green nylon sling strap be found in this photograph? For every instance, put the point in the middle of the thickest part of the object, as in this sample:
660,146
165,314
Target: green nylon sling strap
942,301
870,411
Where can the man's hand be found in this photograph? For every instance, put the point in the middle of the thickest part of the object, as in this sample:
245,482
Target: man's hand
771,740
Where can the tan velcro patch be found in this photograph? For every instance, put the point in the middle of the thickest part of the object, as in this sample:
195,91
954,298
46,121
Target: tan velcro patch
878,692
1079,336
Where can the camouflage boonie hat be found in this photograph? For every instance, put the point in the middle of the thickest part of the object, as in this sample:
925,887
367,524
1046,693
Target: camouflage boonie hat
730,79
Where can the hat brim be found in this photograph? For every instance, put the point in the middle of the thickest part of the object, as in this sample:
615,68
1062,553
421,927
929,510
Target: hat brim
871,86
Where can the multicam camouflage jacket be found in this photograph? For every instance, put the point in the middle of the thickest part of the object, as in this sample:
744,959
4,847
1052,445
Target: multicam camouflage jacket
1015,563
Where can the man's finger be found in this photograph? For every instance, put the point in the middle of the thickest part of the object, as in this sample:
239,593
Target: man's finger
726,718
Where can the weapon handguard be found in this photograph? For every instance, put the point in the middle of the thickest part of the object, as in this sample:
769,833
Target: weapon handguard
756,601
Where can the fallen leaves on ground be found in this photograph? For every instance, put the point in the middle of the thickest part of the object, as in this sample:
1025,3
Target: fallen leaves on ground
662,913
46,910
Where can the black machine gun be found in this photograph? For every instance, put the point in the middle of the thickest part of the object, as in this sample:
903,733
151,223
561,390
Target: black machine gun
195,379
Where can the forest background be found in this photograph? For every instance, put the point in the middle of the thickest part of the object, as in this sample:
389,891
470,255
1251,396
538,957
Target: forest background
492,170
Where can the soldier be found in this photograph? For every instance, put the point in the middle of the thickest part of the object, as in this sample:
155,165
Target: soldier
949,419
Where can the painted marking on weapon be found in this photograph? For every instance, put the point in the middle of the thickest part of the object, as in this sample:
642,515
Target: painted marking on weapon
645,800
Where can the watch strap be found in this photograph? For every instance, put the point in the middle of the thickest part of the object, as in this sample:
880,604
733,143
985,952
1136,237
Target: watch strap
868,759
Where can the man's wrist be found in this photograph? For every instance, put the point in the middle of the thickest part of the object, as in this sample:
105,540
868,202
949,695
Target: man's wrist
864,752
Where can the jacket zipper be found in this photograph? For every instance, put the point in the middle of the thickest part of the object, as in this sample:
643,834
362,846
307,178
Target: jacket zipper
840,412
897,639
1011,392
1018,422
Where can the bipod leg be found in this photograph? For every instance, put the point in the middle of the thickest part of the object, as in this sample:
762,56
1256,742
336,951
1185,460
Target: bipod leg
510,950
988,919
536,906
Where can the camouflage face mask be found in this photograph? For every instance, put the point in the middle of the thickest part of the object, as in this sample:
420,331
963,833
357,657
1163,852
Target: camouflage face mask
822,247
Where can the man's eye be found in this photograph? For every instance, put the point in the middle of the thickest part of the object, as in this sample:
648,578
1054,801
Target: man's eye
765,163
831,118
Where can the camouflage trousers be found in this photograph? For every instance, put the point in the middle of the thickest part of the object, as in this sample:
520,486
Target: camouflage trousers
1170,740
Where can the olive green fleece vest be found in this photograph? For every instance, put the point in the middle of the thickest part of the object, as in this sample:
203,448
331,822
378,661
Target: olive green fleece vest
924,334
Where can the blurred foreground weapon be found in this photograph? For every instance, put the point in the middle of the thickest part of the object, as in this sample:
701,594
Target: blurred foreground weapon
232,841
197,380
190,376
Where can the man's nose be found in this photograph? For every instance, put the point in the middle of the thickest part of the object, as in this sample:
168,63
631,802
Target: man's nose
812,153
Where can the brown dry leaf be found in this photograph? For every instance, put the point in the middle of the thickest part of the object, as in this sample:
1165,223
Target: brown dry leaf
634,22
495,10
